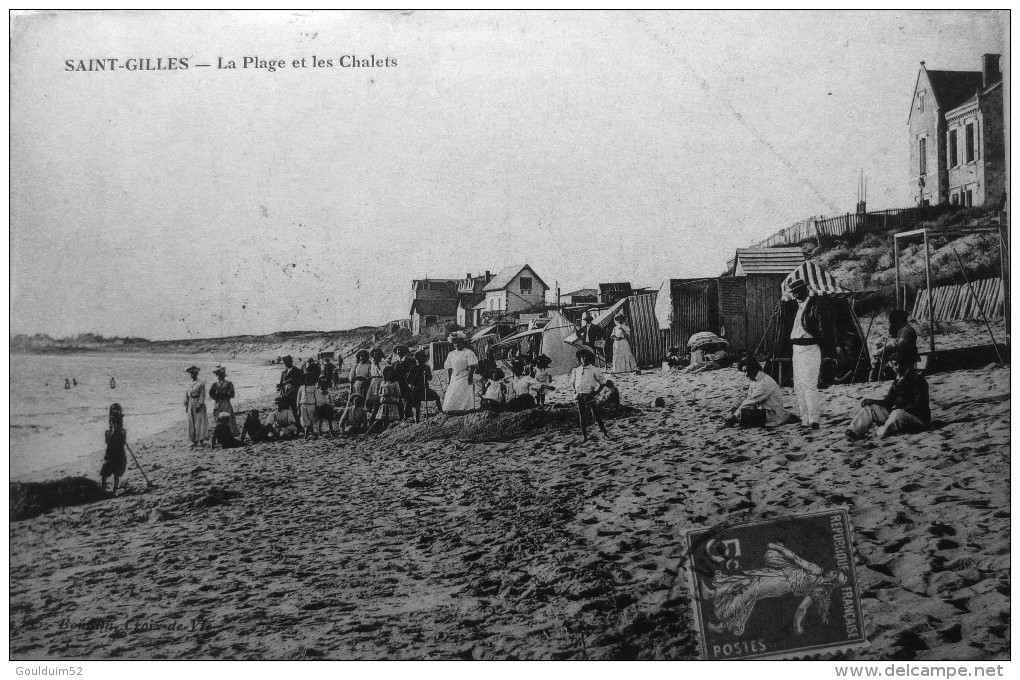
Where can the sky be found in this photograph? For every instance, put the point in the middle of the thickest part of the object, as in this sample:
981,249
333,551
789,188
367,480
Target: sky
595,146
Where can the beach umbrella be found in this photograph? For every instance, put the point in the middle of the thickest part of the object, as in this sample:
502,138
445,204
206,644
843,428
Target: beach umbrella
819,281
705,338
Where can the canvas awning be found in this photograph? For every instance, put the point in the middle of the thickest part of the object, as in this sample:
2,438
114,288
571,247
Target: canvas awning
510,339
603,320
819,281
705,338
484,332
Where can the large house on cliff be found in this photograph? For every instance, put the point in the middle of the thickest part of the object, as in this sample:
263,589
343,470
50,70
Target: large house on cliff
957,137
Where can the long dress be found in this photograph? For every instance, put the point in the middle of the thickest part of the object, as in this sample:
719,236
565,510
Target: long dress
389,402
623,358
198,418
359,377
222,392
460,396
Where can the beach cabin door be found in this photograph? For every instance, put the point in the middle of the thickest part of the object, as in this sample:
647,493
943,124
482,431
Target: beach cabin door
732,315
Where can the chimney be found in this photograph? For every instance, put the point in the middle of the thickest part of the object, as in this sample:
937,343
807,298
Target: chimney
488,274
468,275
990,69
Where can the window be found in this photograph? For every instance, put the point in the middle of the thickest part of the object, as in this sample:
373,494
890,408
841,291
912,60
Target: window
920,103
956,199
970,199
526,285
922,155
969,138
952,149
430,320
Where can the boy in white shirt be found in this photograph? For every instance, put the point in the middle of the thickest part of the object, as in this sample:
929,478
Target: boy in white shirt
587,381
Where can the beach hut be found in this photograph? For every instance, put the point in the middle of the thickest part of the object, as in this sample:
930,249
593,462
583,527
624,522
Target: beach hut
689,306
749,301
549,340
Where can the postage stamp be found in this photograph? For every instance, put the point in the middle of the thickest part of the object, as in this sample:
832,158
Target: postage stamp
777,588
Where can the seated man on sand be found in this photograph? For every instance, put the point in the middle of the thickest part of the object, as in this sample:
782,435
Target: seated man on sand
763,405
282,422
904,409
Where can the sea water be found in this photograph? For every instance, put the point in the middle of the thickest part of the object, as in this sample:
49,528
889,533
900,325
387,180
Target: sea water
52,426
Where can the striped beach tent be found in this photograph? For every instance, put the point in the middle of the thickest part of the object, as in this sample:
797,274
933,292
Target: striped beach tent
819,281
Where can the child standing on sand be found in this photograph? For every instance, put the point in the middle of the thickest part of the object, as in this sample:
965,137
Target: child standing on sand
587,382
389,410
418,378
544,376
309,400
115,460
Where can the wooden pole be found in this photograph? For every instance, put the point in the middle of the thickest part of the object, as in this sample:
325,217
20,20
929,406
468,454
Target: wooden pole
931,307
896,259
1003,276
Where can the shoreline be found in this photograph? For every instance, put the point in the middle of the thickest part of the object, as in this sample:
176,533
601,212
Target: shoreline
538,548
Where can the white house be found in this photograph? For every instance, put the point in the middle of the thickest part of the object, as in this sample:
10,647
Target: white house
515,288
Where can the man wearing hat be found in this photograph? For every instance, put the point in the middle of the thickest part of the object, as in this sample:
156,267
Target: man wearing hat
402,364
808,339
589,334
904,409
290,380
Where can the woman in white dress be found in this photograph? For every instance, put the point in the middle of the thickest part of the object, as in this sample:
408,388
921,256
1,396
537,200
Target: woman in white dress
623,358
460,365
194,406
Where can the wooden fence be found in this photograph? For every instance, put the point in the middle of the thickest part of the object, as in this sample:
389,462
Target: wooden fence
951,303
841,225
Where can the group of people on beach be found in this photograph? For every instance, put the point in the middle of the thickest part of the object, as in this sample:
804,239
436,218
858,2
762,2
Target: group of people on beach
904,409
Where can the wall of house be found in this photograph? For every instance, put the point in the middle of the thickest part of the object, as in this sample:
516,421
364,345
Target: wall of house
965,176
926,124
993,138
516,299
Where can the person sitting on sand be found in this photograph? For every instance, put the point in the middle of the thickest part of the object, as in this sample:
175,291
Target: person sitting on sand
115,460
609,397
254,429
282,422
355,418
902,341
764,396
905,409
587,381
525,389
418,378
309,399
223,434
494,397
389,409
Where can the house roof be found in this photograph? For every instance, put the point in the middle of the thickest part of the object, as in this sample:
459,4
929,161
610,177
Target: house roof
769,260
434,307
508,274
952,88
581,291
470,300
973,98
622,287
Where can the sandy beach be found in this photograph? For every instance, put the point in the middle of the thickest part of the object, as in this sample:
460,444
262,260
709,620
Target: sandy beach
538,548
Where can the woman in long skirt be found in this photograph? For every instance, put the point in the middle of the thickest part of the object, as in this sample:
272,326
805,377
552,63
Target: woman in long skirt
460,367
194,406
623,358
221,392
361,373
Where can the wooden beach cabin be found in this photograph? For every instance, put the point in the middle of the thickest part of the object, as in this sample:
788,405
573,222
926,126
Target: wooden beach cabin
693,307
749,300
